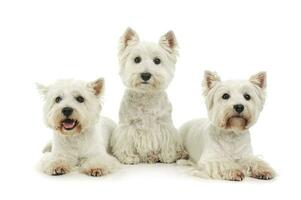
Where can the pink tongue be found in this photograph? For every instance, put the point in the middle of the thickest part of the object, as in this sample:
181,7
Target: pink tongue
69,125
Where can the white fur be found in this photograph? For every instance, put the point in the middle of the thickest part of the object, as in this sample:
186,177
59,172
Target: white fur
146,132
220,147
87,145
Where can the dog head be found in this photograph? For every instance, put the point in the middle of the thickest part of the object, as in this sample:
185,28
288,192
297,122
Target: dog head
234,105
72,106
147,66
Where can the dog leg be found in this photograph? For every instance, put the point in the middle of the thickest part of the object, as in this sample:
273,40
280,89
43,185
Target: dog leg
99,165
168,155
170,149
226,170
257,168
122,143
55,165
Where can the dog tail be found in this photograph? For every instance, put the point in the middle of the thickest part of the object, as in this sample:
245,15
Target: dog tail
47,148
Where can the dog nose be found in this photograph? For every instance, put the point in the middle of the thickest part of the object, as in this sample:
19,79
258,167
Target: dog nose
146,76
67,111
239,108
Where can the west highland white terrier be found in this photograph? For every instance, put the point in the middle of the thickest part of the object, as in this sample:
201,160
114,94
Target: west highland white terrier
80,136
146,132
220,147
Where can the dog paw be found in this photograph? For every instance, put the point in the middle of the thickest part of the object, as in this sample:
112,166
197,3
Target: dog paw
96,172
59,170
235,175
168,158
152,158
130,160
182,154
262,174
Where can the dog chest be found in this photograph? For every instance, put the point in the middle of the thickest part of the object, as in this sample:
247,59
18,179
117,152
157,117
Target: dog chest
231,147
145,109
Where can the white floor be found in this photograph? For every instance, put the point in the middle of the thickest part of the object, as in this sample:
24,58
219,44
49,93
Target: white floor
142,181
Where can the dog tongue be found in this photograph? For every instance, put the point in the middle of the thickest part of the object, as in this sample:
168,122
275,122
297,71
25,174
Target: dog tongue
68,124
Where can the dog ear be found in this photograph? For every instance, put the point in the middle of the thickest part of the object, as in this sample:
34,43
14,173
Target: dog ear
259,79
97,86
42,89
169,42
129,37
210,80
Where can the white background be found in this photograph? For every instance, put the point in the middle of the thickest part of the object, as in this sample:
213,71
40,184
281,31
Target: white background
41,41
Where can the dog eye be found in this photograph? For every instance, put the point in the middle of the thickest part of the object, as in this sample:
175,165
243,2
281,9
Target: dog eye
157,61
80,99
58,99
137,59
226,96
247,97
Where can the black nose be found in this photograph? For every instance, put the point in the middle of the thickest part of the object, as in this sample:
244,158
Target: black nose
67,111
146,76
239,108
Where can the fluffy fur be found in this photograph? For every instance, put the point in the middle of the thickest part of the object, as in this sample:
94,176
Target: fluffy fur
80,137
220,147
146,132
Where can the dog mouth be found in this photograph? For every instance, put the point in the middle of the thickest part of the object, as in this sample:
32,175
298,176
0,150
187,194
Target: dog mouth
145,82
237,121
69,124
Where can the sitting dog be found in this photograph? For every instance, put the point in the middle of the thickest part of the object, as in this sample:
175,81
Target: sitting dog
146,132
220,147
80,135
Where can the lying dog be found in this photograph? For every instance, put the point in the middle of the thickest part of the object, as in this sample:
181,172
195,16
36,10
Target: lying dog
219,147
80,136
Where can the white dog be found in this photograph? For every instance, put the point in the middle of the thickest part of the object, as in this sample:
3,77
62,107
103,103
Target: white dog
80,136
146,132
220,147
